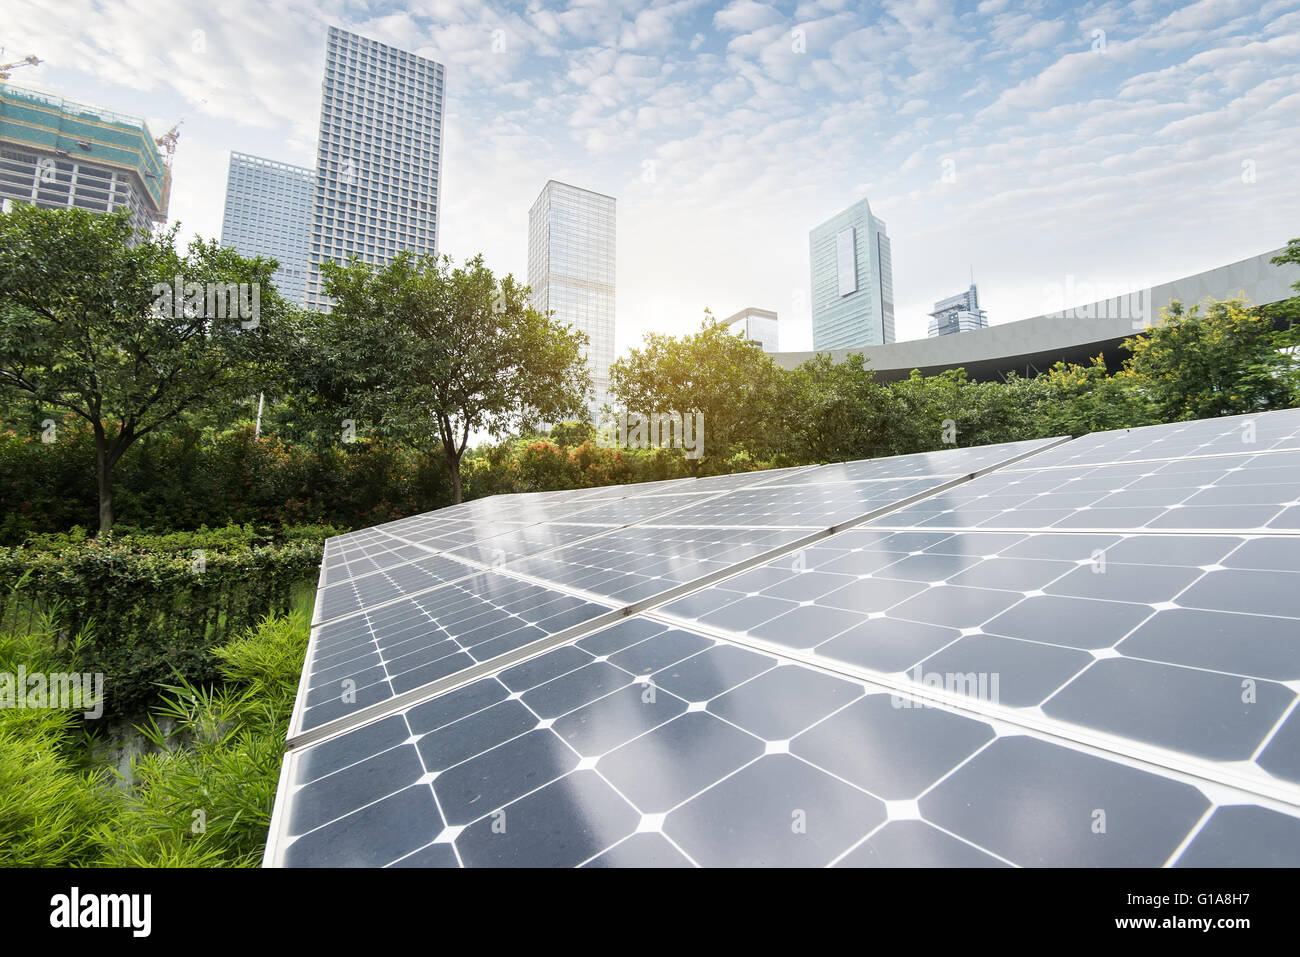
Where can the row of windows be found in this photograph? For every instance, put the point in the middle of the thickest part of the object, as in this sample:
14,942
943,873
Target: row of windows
406,67
268,184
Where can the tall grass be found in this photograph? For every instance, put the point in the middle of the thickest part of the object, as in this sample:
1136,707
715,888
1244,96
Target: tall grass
202,799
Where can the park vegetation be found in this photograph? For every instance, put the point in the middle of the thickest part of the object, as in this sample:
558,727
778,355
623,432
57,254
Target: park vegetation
168,477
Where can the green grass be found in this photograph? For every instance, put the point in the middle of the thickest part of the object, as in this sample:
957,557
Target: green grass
203,799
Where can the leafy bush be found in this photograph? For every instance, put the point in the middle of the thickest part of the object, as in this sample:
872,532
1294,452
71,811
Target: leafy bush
153,608
1225,360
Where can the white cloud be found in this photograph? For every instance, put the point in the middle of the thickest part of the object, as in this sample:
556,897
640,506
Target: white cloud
746,16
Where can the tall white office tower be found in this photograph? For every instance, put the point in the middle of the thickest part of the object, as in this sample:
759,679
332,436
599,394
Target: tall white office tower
571,270
378,161
268,213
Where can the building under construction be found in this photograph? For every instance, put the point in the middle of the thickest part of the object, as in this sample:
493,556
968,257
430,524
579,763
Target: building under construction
59,154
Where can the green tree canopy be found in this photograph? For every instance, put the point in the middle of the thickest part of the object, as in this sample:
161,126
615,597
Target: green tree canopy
835,411
91,324
1225,360
731,380
426,351
1072,399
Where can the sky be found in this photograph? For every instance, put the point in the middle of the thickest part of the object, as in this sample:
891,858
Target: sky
1039,145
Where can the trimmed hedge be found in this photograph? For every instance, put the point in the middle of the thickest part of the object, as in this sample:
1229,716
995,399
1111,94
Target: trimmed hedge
151,607
178,482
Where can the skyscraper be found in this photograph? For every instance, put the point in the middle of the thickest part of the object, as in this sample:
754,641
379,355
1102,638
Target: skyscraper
852,281
268,213
58,154
378,160
756,325
959,313
571,269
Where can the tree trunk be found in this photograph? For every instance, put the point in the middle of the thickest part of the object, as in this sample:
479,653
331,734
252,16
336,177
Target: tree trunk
452,454
453,466
104,481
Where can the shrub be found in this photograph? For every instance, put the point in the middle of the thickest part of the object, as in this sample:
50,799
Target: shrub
187,480
153,608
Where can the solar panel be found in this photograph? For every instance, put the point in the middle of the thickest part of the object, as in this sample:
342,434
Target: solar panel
645,745
953,658
1224,436
371,657
1250,491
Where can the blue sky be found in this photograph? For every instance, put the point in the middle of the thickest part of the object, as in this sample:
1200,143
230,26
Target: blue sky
1119,144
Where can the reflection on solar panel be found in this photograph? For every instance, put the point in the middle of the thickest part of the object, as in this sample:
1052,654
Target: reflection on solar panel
1062,652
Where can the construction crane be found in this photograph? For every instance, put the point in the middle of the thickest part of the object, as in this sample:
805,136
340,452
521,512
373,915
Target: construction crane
6,68
168,143
168,140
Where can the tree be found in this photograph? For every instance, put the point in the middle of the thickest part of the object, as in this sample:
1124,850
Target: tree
571,433
1285,315
731,380
945,410
1072,399
426,351
835,411
125,331
1226,360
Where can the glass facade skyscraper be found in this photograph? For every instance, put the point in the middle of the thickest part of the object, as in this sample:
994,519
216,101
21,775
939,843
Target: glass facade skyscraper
852,281
268,213
959,313
378,159
756,325
571,269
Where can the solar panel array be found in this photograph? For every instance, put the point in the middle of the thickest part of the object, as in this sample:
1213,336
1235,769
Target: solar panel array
1058,652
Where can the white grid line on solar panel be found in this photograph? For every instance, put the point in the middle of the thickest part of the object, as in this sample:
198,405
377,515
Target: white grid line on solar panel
363,540
1062,620
1244,492
619,510
382,587
737,480
357,662
834,500
358,538
630,511
402,553
387,584
627,511
937,464
1259,432
431,524
540,538
492,548
641,737
514,508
